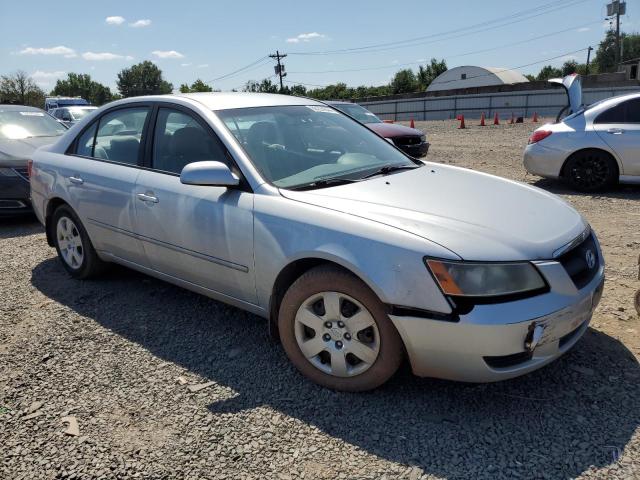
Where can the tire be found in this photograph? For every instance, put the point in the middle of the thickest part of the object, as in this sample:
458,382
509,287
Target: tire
591,171
343,356
73,245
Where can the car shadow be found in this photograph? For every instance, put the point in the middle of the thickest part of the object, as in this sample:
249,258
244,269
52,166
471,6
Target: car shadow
575,414
628,192
19,226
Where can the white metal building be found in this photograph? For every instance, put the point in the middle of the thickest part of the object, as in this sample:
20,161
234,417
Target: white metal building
469,76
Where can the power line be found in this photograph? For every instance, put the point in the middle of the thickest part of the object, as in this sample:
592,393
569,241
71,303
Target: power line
240,70
525,14
396,65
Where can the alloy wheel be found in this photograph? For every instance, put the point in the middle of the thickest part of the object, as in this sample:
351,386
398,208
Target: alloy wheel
590,172
337,334
69,242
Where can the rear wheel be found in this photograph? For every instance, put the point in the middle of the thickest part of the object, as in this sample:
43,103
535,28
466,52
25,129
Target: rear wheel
72,243
591,171
336,331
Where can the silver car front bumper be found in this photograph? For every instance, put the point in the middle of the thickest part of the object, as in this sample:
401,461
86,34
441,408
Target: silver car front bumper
488,344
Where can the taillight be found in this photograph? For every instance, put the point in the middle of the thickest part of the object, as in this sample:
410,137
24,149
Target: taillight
539,135
29,167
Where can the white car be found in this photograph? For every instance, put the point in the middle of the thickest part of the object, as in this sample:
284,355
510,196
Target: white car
356,253
594,147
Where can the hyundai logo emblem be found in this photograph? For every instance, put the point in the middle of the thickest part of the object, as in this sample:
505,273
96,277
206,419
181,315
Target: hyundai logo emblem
590,257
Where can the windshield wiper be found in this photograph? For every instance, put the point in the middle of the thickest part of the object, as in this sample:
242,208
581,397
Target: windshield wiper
387,169
325,182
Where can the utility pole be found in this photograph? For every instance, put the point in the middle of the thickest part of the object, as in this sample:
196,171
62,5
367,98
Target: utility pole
617,8
279,68
588,58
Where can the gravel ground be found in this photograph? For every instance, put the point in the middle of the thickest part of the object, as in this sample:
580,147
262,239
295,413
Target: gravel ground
164,383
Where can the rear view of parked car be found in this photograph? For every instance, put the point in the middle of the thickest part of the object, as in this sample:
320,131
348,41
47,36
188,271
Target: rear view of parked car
410,140
593,148
355,253
22,131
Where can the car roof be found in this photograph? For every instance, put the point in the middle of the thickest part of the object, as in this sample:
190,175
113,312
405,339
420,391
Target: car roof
19,108
229,100
339,102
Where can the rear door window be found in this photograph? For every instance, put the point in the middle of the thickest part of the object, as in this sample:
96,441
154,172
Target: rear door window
625,112
119,135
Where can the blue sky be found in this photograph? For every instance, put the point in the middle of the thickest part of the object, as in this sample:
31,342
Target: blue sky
209,39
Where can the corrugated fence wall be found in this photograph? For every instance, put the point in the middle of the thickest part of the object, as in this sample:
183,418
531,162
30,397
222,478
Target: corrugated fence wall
523,103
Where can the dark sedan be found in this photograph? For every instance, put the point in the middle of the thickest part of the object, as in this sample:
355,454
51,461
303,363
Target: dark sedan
410,140
22,131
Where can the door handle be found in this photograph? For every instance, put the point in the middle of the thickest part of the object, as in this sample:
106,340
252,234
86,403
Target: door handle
147,198
76,180
615,131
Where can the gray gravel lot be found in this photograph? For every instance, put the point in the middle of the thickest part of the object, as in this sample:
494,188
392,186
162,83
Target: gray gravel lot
120,354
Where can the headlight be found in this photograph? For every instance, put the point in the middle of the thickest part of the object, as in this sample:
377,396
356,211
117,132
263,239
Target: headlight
469,279
423,138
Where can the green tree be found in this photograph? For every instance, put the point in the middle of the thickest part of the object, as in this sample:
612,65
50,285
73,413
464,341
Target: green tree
81,85
265,86
548,72
427,74
145,78
197,86
404,81
531,78
569,67
19,88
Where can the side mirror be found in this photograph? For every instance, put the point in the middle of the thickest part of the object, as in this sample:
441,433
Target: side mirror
215,174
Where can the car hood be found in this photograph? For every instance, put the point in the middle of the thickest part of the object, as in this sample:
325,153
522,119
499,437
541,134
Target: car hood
573,86
17,152
390,130
475,215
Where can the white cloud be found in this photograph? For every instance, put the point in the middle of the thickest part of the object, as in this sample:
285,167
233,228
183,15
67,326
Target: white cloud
40,75
203,65
144,22
185,64
583,29
105,56
167,54
116,20
60,50
305,37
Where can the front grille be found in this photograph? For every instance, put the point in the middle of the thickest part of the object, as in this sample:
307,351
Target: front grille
23,172
411,140
575,262
506,361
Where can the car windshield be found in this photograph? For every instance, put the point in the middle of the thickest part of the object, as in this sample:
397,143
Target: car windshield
16,124
78,113
310,146
359,113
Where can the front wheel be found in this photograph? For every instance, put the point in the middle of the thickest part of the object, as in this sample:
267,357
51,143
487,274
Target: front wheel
591,171
336,331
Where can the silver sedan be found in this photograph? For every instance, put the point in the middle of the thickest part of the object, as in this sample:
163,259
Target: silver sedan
356,254
594,147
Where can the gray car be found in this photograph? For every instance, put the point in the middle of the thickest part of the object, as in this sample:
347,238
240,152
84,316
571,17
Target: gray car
356,254
594,147
71,115
22,131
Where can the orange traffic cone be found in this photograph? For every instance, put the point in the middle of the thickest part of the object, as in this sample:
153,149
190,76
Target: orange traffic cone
496,119
461,122
535,117
482,120
412,125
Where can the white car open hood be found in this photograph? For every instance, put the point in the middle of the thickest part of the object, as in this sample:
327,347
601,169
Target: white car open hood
475,215
573,86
